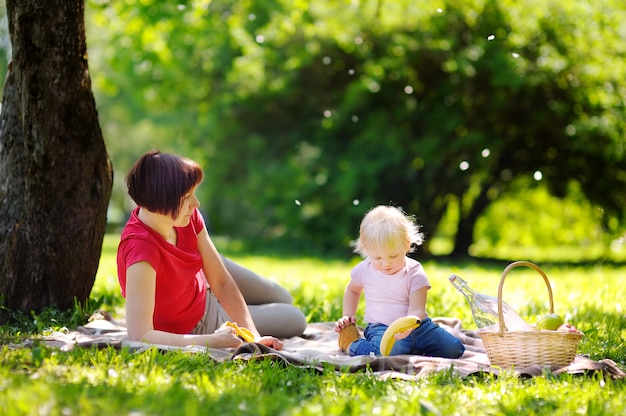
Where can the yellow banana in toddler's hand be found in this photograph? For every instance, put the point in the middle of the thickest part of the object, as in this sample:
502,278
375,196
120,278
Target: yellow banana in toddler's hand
399,325
241,332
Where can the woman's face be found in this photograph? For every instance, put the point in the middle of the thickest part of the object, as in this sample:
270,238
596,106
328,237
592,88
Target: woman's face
188,204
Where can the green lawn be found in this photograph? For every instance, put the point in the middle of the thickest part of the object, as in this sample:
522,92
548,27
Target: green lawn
43,381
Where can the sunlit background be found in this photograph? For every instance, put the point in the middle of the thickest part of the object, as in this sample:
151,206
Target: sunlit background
500,130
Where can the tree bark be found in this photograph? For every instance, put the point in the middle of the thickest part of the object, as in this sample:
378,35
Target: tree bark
55,173
465,230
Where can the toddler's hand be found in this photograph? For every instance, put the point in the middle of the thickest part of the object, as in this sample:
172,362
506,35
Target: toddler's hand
401,335
344,321
567,327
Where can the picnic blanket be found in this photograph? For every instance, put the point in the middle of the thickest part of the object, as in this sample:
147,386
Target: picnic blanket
317,349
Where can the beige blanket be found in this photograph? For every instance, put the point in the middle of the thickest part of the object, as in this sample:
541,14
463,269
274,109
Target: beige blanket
317,349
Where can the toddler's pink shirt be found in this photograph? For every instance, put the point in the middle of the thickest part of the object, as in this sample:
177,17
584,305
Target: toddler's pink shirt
387,296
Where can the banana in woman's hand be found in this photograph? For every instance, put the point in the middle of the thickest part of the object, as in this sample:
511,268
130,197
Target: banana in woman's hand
241,332
399,325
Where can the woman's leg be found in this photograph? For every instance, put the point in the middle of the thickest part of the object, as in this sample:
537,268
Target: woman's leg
279,320
276,319
256,290
269,303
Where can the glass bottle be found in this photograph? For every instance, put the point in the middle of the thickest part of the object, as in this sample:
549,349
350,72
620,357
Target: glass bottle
485,309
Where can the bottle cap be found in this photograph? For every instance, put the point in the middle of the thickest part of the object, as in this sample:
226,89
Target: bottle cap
456,281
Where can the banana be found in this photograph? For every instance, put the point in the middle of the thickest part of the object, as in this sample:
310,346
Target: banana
241,332
399,325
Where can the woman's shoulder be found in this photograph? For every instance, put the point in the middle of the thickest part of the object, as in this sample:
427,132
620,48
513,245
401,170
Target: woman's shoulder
137,244
135,229
136,233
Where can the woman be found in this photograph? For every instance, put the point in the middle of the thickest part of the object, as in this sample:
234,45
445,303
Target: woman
178,289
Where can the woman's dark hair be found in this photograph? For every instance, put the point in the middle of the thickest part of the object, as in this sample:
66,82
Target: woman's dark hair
158,181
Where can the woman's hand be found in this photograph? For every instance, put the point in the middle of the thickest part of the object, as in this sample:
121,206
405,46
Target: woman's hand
344,321
224,337
271,342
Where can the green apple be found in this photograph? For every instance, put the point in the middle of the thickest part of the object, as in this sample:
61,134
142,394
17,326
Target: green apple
551,322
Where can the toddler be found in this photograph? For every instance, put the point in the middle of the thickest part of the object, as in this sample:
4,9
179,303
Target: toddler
394,286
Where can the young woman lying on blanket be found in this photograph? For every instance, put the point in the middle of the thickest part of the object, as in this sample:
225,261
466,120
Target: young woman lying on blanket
394,286
179,290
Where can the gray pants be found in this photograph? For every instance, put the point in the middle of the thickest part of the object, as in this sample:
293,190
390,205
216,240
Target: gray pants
270,306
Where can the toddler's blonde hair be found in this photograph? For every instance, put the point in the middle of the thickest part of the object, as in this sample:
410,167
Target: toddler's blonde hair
385,227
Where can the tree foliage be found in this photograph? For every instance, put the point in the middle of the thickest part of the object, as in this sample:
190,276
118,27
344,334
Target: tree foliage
308,113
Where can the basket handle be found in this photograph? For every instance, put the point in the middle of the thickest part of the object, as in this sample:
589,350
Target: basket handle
504,273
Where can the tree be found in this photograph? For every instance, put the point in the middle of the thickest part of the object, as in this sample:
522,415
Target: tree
320,110
427,112
55,173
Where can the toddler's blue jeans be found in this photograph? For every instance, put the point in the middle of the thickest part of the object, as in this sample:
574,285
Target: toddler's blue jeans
428,339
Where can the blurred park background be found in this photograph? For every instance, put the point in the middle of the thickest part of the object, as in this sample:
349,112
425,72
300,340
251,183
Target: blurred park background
499,124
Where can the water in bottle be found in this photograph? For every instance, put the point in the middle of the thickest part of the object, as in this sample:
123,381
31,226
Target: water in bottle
485,309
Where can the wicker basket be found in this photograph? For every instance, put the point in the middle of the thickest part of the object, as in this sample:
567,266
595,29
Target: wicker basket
529,348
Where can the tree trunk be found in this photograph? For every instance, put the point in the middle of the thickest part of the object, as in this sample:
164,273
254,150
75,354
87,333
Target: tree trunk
465,231
55,173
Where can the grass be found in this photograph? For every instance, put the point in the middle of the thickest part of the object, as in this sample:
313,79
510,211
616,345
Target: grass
44,381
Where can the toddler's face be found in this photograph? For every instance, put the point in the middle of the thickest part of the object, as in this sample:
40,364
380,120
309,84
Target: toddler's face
388,260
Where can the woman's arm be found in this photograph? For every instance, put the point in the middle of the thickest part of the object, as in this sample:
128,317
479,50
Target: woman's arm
140,295
225,289
223,285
